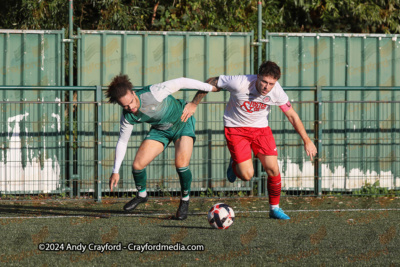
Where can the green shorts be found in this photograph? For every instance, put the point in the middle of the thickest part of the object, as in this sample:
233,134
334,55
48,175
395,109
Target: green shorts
166,136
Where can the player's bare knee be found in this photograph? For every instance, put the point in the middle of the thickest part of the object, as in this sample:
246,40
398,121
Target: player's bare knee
181,165
248,175
272,172
136,165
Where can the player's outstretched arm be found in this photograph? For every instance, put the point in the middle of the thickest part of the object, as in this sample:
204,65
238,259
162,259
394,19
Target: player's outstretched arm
125,132
113,181
191,107
294,119
214,82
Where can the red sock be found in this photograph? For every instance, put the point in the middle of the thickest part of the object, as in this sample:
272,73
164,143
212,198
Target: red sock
274,189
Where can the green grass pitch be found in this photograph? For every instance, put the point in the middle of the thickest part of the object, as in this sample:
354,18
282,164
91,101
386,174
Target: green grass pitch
328,231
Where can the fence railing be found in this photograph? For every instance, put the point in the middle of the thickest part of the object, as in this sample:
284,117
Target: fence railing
43,151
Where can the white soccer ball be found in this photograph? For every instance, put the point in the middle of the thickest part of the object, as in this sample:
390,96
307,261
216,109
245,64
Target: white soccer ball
221,216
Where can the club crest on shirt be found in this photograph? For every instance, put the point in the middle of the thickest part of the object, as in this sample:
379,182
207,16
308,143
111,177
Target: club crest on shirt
266,99
250,106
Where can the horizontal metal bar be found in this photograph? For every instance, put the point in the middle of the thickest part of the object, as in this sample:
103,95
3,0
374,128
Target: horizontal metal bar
288,88
224,102
349,101
205,102
48,102
364,88
31,31
56,88
298,88
166,33
332,34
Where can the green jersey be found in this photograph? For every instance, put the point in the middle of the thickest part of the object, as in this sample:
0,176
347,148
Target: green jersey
161,110
164,115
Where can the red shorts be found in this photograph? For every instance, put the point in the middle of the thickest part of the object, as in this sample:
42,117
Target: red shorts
241,140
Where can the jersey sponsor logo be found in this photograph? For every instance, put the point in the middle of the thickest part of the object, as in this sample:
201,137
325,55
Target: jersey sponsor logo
250,106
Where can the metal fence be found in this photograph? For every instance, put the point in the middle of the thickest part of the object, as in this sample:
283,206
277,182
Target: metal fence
335,59
43,151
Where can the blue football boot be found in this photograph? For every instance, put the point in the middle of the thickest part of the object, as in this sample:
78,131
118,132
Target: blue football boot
278,213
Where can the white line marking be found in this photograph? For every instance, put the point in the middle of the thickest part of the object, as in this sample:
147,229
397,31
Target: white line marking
106,215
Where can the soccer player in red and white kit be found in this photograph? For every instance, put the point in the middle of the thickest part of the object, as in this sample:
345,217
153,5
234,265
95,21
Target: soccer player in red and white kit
246,127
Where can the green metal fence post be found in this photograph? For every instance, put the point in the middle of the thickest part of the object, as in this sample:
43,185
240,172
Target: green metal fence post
71,99
98,147
259,33
252,55
267,46
318,139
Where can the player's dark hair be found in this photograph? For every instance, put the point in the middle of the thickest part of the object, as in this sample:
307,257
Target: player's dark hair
118,88
269,68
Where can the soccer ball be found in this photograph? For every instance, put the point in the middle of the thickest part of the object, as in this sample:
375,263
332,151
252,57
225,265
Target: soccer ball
221,216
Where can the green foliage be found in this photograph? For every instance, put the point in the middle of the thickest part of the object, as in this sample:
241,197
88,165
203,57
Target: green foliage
164,192
373,190
241,194
255,189
357,16
209,15
338,194
210,192
34,14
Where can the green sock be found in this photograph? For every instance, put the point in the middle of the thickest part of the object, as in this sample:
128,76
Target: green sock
185,179
140,177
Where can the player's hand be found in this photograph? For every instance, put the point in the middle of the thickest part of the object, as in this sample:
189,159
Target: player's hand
310,149
113,181
188,111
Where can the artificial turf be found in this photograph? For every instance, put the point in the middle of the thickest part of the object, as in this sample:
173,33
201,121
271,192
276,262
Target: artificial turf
328,231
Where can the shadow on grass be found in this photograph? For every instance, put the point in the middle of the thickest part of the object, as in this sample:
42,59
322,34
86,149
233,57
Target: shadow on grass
191,227
24,210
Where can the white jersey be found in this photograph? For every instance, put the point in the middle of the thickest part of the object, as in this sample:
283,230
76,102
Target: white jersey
246,106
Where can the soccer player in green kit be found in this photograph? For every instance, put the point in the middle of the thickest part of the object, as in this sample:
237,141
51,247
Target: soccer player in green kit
154,105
